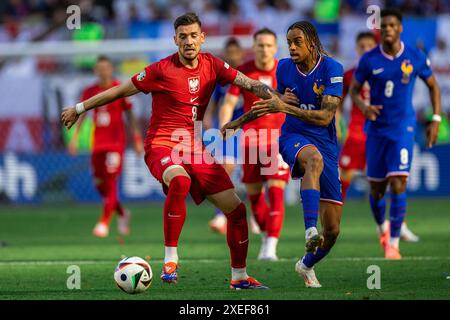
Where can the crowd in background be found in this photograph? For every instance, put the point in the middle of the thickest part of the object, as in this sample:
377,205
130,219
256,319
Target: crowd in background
34,19
45,20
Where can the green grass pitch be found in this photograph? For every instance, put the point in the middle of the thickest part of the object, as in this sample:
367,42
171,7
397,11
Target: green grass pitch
39,243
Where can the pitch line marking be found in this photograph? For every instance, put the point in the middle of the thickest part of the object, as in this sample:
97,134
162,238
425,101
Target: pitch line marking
92,262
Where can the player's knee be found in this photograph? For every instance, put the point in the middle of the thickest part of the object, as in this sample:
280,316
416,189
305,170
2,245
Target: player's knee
397,184
314,163
180,185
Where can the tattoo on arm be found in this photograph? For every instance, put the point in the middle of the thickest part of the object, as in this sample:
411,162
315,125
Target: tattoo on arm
329,105
320,117
258,88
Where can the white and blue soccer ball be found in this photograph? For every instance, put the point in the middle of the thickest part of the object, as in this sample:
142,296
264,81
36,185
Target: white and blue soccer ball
133,275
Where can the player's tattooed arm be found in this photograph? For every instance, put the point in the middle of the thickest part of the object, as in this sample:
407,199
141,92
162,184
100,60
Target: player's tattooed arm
69,116
258,88
321,117
371,112
262,91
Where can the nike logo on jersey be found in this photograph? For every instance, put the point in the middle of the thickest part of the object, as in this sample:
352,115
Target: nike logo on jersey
193,99
242,242
377,71
403,166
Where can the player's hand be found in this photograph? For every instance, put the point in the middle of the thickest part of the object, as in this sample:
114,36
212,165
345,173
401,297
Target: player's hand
69,117
229,129
290,98
272,105
372,112
432,133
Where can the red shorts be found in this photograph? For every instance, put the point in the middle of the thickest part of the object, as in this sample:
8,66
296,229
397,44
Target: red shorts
206,178
260,168
106,163
353,154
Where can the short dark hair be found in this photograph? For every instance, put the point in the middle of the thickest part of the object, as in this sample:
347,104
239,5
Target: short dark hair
392,12
365,34
264,31
187,19
103,57
232,41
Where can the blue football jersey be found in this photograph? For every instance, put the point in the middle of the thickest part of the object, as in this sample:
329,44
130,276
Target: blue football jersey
326,78
391,81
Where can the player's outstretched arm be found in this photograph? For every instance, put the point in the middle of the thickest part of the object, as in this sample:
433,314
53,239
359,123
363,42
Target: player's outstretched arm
435,97
321,117
256,87
70,115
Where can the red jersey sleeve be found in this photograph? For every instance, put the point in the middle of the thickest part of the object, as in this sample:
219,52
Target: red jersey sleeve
225,73
148,80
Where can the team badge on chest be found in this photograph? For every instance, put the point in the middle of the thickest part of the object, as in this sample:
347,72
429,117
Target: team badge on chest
407,68
194,84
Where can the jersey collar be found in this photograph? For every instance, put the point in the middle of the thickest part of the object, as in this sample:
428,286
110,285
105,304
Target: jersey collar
399,53
313,69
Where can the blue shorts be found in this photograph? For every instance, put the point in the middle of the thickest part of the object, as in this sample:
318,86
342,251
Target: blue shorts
330,185
225,151
388,157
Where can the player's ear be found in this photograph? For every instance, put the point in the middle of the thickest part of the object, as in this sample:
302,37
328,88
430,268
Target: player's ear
401,28
202,36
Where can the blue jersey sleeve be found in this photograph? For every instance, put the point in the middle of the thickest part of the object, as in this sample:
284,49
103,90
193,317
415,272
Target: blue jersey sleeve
362,72
279,74
424,71
334,83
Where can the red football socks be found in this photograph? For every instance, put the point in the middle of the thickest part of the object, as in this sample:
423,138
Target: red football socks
274,220
108,190
259,209
237,236
175,209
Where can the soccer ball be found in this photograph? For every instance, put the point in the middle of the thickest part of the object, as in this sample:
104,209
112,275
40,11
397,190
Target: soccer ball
133,275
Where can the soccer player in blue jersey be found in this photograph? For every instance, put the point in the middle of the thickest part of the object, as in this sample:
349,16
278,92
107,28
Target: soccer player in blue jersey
391,70
313,81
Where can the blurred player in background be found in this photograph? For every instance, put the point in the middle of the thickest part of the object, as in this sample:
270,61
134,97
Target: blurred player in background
308,141
391,70
353,153
269,217
181,86
108,147
233,55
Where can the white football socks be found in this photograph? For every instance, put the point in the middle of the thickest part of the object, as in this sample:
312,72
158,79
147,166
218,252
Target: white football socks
239,274
171,254
271,246
394,242
382,228
311,231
